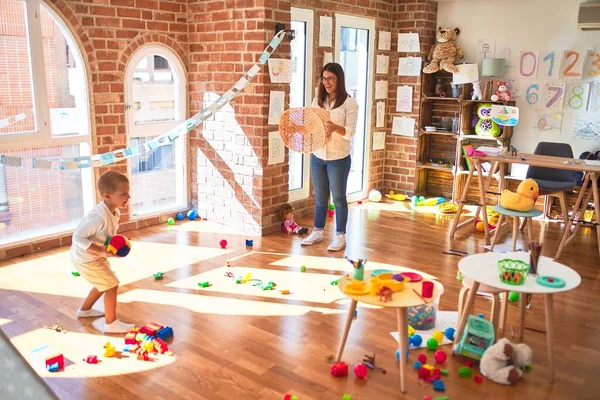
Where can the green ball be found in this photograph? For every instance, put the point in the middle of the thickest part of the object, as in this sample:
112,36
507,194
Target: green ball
303,268
332,207
347,397
432,344
294,397
421,198
513,296
170,221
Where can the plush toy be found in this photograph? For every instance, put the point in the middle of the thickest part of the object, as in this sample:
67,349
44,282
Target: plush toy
286,212
477,95
524,199
502,93
504,361
442,54
486,126
119,245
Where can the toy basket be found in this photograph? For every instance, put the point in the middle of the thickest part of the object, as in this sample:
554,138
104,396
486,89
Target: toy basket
303,129
513,272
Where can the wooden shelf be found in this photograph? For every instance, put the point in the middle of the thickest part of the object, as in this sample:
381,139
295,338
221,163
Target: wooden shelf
440,133
477,137
487,101
436,98
446,169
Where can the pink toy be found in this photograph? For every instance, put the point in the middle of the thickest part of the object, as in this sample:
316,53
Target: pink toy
360,202
361,371
440,356
472,152
427,290
339,369
427,398
502,93
223,243
289,226
330,213
478,378
423,358
468,363
91,359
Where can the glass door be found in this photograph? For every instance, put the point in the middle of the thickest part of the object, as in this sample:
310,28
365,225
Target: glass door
354,51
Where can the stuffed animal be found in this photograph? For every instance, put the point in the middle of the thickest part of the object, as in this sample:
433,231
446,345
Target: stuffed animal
286,212
524,199
502,93
442,54
504,361
486,126
477,95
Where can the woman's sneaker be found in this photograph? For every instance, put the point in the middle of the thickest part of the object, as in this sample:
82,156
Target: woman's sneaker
314,237
338,242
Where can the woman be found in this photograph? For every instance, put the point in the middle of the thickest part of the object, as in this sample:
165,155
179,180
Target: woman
330,165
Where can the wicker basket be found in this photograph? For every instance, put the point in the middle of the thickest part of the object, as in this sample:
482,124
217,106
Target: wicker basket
303,129
513,272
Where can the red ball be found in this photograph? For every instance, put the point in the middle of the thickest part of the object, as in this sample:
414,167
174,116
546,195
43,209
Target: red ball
423,358
223,243
468,363
361,371
287,397
440,356
360,202
330,213
478,378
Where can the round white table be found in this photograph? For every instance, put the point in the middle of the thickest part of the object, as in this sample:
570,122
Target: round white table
483,269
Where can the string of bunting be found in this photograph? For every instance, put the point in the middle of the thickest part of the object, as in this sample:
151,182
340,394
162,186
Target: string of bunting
180,130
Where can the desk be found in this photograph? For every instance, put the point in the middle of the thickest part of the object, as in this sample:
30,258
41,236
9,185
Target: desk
400,301
498,162
483,269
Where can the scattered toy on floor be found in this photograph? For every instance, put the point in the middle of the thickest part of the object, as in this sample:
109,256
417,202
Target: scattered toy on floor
249,242
361,371
223,243
170,221
416,340
204,284
288,224
91,359
439,386
158,276
56,328
440,356
432,344
179,216
109,350
504,361
75,273
192,215
339,369
369,361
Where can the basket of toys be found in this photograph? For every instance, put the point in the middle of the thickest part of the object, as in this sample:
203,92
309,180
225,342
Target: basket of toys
423,317
513,272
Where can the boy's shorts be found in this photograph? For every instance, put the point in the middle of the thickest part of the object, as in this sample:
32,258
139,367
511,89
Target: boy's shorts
98,273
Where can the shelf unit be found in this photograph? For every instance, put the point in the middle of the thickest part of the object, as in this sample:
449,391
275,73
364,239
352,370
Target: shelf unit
445,146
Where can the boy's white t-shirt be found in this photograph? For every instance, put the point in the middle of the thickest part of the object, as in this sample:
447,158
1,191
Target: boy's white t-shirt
98,225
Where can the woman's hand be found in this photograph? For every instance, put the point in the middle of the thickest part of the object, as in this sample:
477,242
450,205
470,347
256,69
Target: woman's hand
330,129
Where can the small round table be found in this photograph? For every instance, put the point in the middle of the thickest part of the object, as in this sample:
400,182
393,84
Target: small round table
400,301
483,269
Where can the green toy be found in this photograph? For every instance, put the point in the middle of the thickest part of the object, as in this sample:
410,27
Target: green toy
332,207
75,273
303,268
513,296
170,221
204,284
444,372
477,337
464,372
432,344
486,126
528,367
158,276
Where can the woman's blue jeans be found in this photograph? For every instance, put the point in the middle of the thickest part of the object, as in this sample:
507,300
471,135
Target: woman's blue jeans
326,176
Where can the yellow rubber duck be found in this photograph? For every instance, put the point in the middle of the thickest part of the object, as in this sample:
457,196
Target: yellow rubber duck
524,200
109,350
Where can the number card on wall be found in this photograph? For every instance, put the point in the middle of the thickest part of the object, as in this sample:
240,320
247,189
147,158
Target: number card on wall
572,65
533,93
528,63
404,99
577,95
549,61
554,96
591,67
594,105
409,66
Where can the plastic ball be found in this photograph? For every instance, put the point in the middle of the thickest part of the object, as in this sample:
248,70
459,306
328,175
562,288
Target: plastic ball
170,221
330,213
432,344
416,340
360,202
391,193
332,206
479,226
192,214
423,358
438,335
375,196
223,243
179,216
417,365
361,371
346,397
513,296
411,330
119,245
421,198
449,333
440,356
398,354
303,268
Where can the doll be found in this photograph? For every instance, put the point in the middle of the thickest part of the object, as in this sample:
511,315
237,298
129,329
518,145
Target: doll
286,212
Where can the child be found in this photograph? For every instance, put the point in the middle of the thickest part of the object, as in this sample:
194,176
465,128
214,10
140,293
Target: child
286,212
89,254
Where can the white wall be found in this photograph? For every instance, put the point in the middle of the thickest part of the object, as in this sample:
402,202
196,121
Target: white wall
531,25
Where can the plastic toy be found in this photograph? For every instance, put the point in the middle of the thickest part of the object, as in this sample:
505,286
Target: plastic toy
284,291
75,273
427,289
478,379
359,268
249,242
469,363
448,207
330,213
485,125
332,206
170,221
427,398
119,245
417,365
550,281
204,284
513,272
449,333
346,397
46,358
386,280
440,356
504,361
412,276
432,344
444,372
477,337
369,361
385,294
524,199
91,359
375,196
131,335
416,340
361,371
303,268
439,386
464,372
158,276
398,354
513,296
228,264
397,197
109,350
423,202
477,95
423,358
192,215
179,216
422,317
164,333
223,243
359,202
411,330
151,329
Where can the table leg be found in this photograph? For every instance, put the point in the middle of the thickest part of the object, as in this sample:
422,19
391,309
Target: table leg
497,231
463,198
529,229
522,310
515,232
486,229
467,310
349,319
567,231
550,334
503,313
402,344
596,206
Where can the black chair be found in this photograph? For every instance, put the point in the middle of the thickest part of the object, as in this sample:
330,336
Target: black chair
554,182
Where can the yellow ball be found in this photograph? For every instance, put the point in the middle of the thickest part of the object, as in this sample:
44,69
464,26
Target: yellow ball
411,330
391,193
438,335
479,226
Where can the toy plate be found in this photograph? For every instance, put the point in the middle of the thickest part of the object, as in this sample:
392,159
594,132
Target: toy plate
357,291
412,276
545,281
378,272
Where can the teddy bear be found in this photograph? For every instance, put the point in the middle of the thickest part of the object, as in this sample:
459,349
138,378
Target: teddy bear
442,54
502,93
504,361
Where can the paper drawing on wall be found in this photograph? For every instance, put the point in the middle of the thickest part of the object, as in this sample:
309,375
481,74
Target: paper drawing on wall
380,115
325,31
546,122
327,57
467,73
506,49
577,95
276,149
527,63
586,129
408,43
409,66
385,40
505,115
276,100
513,87
378,141
381,90
571,66
591,68
594,104
404,99
549,64
383,63
280,70
403,126
554,96
486,48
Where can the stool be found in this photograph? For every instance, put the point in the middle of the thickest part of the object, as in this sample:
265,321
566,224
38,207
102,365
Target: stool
499,307
528,215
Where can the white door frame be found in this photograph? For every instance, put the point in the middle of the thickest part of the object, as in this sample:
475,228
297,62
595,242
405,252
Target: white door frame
368,24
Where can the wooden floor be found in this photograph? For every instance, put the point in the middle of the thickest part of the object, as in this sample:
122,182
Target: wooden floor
239,342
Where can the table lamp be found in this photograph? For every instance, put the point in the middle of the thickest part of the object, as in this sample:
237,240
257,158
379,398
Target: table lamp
491,67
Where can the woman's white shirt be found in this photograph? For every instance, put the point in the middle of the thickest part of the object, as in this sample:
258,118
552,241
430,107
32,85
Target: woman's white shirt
345,115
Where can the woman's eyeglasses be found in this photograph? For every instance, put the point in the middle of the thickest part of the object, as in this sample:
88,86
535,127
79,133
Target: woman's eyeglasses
328,79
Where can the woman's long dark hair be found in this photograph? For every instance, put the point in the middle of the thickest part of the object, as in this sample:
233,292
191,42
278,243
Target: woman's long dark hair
341,94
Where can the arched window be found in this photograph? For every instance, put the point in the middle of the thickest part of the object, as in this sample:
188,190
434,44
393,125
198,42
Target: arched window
44,116
155,98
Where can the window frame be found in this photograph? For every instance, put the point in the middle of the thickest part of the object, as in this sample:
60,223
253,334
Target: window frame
306,16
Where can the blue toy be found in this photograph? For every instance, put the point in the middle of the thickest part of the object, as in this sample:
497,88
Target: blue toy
249,242
477,337
439,385
179,216
416,340
398,354
165,333
449,333
417,365
192,214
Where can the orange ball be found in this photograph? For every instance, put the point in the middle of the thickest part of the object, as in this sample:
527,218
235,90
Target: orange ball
479,226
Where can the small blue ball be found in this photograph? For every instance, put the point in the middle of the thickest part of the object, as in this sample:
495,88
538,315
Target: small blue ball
192,214
417,364
179,216
398,354
449,333
480,315
416,340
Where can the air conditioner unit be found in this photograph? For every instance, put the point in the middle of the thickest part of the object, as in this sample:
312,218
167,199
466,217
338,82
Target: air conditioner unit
589,17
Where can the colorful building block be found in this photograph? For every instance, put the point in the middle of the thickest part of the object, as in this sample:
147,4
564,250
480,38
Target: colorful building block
151,328
424,373
444,372
439,386
164,333
45,357
131,335
160,346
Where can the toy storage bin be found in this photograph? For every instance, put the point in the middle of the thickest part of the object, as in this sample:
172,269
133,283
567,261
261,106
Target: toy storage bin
422,317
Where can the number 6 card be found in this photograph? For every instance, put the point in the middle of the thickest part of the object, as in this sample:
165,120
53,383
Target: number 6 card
554,96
